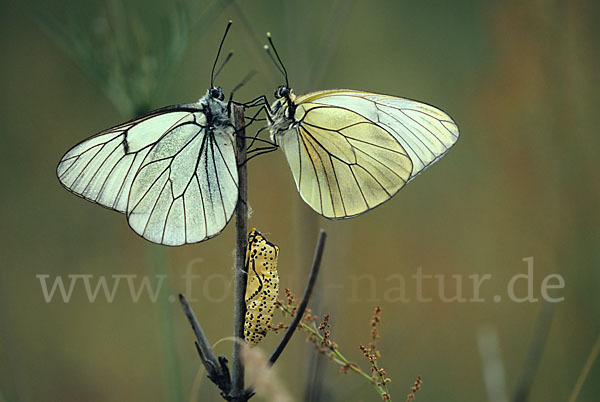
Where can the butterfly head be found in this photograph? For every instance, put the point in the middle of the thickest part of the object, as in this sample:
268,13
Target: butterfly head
282,111
284,103
282,92
214,108
217,93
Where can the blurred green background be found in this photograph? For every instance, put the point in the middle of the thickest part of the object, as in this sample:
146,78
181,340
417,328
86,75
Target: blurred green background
520,78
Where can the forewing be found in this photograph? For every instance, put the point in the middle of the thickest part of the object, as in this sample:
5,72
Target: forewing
101,168
424,131
343,163
187,186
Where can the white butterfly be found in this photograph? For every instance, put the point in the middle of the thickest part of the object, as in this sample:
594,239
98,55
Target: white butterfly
350,151
173,171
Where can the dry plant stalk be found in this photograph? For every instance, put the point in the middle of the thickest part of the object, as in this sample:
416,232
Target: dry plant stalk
320,336
414,389
267,384
217,369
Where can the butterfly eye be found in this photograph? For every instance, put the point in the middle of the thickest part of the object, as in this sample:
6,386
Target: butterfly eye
282,92
217,93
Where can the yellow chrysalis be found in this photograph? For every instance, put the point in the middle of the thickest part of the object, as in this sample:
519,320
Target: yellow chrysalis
262,288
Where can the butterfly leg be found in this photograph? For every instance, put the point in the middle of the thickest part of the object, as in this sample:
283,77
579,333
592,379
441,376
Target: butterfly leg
238,86
258,101
254,118
260,151
255,138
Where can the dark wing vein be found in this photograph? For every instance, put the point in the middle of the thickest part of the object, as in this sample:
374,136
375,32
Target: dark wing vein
162,238
155,203
421,124
212,147
314,169
203,205
94,166
339,131
409,130
226,165
101,165
324,169
338,187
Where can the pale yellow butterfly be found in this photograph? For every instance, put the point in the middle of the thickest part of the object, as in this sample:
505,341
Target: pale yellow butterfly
350,151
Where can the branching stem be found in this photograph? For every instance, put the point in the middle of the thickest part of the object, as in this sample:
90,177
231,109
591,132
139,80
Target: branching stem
240,276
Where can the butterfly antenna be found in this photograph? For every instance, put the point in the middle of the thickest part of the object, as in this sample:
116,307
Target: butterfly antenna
283,70
273,59
229,56
212,73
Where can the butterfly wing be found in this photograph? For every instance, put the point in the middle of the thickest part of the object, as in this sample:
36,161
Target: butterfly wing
352,151
343,164
424,131
187,187
101,168
123,168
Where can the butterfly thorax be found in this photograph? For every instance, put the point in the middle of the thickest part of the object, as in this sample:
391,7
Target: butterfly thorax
282,116
216,112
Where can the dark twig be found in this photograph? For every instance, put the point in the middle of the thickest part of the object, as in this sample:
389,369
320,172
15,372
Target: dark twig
305,297
241,226
534,353
217,373
200,337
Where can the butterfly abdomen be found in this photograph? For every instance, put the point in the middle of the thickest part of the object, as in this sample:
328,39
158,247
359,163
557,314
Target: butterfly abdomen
262,288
